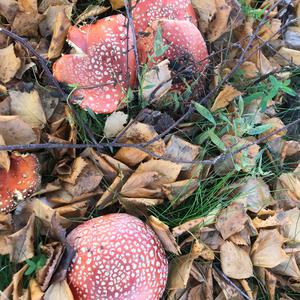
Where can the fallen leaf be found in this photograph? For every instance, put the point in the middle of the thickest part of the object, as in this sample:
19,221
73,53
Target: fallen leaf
4,158
59,291
15,131
219,25
27,24
225,97
9,63
116,4
288,267
249,70
19,245
267,250
77,167
270,31
270,284
206,10
277,220
235,261
179,191
276,124
157,81
179,149
34,290
231,220
60,30
114,124
74,210
28,5
164,234
289,54
91,11
8,9
28,106
291,229
246,287
144,202
241,238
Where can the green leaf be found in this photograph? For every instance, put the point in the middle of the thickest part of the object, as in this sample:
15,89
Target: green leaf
253,96
159,47
216,140
32,267
204,112
202,137
259,129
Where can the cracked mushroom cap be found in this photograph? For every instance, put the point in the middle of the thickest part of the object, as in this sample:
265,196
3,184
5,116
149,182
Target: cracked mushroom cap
20,182
147,11
187,51
99,64
117,256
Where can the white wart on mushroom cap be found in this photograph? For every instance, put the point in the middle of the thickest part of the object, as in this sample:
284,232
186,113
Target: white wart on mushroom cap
117,257
186,47
100,62
147,11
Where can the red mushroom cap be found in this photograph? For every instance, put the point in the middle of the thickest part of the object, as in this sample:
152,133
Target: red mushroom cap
147,11
186,47
100,62
20,182
117,256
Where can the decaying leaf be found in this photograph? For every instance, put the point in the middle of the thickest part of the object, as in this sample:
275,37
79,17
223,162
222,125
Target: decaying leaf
77,167
179,191
249,70
225,97
9,63
235,261
34,290
219,25
28,5
231,220
28,106
15,131
267,250
291,229
90,12
270,283
164,234
115,123
19,245
8,9
289,55
276,124
157,81
60,30
180,268
288,267
59,291
206,10
276,220
4,158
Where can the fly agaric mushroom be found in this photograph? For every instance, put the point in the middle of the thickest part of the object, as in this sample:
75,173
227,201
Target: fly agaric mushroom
99,65
20,182
186,49
147,11
117,256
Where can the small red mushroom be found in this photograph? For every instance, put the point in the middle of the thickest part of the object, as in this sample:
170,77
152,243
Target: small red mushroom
20,182
187,51
99,65
147,11
117,256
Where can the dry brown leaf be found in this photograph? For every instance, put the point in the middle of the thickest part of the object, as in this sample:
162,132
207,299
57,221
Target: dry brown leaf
288,267
143,202
290,149
271,30
231,220
28,5
225,97
235,261
205,252
6,223
264,65
219,25
247,289
289,55
179,191
157,81
8,9
74,210
91,11
249,70
139,133
180,149
9,63
167,170
276,124
60,30
276,220
59,291
116,4
28,106
291,229
180,268
15,131
241,238
4,158
254,193
77,167
34,290
27,24
164,234
267,250
54,252
19,245
206,10
114,124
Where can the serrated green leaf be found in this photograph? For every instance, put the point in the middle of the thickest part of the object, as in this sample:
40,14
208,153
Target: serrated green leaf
204,112
259,129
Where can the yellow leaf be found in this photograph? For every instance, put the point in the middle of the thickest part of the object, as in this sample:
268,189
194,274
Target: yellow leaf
9,63
225,97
